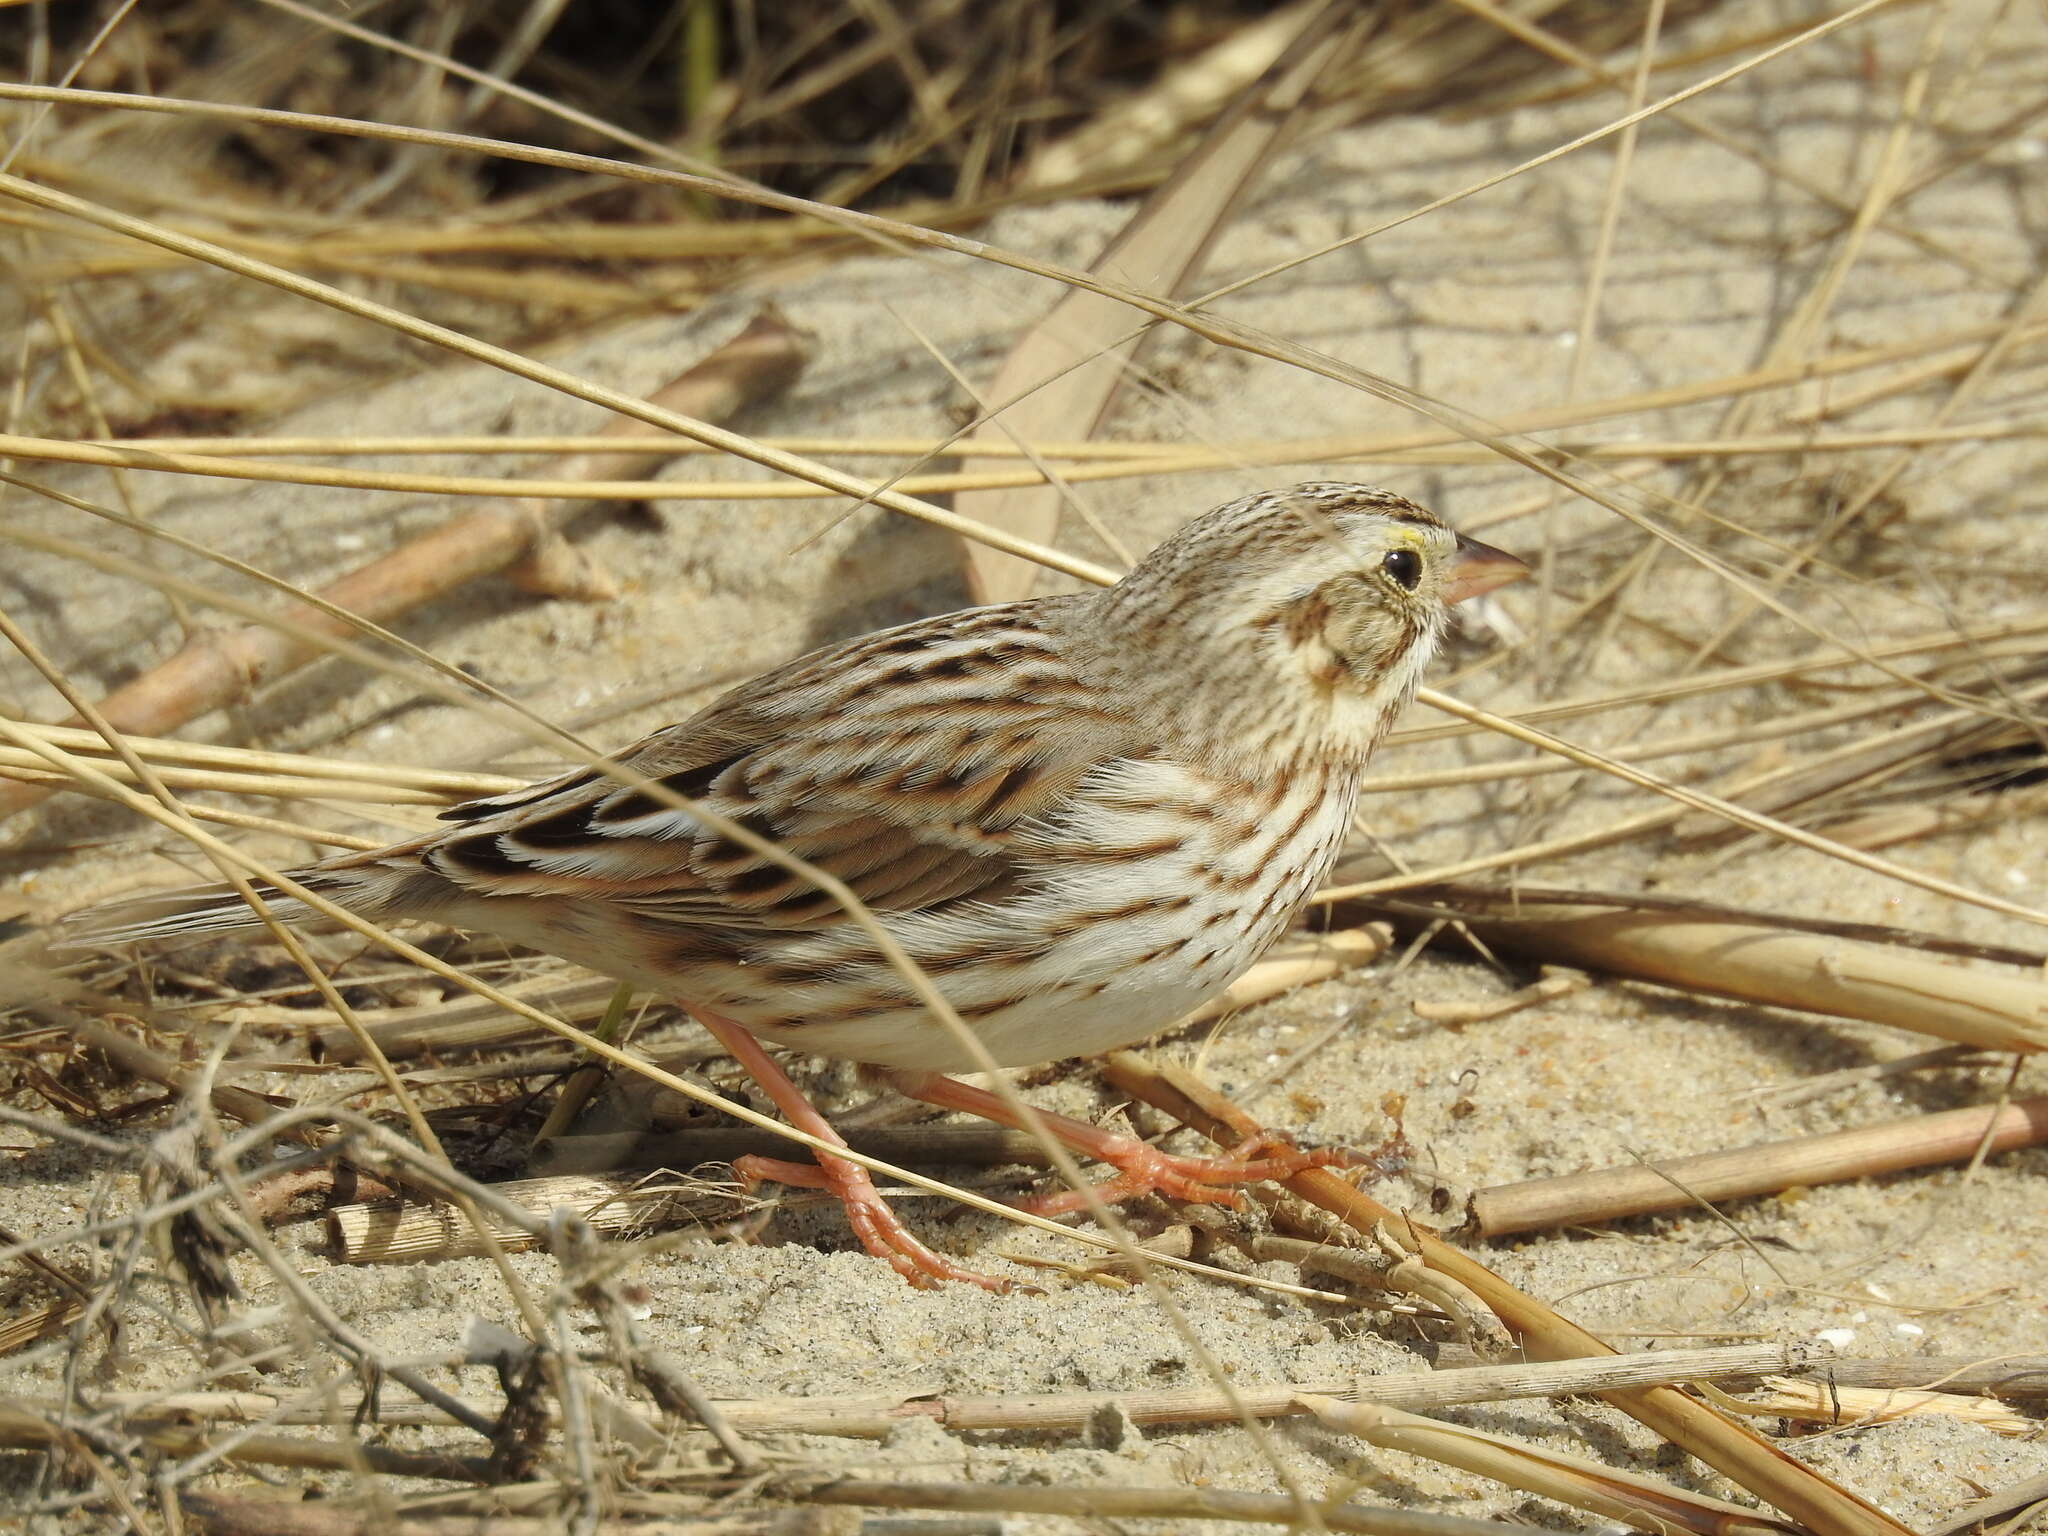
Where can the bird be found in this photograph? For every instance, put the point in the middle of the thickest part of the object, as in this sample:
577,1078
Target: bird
1083,815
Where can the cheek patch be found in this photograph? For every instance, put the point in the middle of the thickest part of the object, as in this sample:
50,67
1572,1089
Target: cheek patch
1306,619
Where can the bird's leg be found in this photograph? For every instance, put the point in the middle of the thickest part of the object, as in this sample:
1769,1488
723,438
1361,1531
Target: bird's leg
1141,1167
880,1230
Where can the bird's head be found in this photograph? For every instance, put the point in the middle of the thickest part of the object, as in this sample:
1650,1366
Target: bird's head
1322,602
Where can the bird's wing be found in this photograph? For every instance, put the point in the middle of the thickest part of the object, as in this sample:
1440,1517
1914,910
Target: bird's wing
904,764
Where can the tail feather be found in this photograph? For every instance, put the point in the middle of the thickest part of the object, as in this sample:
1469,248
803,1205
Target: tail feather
187,911
384,884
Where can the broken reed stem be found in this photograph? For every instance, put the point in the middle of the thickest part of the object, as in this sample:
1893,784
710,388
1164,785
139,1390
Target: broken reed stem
217,668
1731,1448
1608,1194
2016,1378
618,1205
1821,1402
1756,962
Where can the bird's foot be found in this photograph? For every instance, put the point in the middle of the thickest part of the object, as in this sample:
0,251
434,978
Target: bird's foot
880,1230
1143,1169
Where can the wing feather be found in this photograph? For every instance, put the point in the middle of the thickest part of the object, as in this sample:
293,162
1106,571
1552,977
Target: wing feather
837,759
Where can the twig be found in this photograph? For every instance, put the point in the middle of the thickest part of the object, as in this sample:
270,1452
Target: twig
1633,1190
1732,1449
875,1416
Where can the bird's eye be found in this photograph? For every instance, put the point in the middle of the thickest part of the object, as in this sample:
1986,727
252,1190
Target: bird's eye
1405,566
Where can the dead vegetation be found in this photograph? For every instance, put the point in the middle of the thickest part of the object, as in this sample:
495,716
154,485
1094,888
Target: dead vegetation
1822,654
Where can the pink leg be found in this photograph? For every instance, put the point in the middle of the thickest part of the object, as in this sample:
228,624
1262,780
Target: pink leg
880,1229
1141,1168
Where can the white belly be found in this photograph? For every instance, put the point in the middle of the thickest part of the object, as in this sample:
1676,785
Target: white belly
1100,953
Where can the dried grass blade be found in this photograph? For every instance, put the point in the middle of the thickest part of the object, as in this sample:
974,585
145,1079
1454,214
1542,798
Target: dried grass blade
198,754
1642,1502
24,770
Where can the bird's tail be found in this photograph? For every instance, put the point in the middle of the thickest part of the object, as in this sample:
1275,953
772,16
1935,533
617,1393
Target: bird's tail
186,911
380,884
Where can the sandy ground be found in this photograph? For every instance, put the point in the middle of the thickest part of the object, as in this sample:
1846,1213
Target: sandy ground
1478,304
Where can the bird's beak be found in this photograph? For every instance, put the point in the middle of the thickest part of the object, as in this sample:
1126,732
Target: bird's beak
1478,568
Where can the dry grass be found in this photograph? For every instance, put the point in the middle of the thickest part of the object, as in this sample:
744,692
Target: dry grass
1818,658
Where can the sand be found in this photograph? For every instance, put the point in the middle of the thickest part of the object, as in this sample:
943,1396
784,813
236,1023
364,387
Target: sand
1477,304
